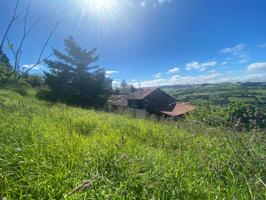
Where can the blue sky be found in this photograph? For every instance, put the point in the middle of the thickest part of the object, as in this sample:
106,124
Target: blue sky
155,42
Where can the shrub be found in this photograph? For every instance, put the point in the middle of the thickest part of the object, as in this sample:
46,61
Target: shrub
238,116
247,116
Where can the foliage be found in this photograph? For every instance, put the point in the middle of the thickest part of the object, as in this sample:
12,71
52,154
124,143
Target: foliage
74,79
237,115
124,89
35,81
50,150
5,67
19,86
246,116
210,115
4,59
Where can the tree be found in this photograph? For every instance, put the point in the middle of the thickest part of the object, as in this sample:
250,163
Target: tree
126,89
75,79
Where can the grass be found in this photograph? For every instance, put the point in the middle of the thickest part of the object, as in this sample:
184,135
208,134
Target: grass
52,151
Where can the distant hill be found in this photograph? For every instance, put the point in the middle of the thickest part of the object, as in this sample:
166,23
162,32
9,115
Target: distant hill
220,94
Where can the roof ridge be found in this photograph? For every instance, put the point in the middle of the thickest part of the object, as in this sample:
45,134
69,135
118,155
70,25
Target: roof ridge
141,93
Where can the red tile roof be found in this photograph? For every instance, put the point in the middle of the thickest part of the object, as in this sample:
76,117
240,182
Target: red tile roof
179,109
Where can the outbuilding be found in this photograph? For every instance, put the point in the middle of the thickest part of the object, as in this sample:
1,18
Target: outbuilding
149,101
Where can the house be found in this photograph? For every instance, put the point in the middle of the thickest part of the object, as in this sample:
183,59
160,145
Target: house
147,101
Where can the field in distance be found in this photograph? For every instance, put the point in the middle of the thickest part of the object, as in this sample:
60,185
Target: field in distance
220,94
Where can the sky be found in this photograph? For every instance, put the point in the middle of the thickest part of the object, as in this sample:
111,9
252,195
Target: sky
152,42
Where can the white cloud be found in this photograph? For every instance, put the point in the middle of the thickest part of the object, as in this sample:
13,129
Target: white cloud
262,45
143,4
154,3
209,78
174,70
200,66
235,50
177,79
257,67
28,66
38,69
116,83
111,72
238,53
158,75
164,1
149,83
201,79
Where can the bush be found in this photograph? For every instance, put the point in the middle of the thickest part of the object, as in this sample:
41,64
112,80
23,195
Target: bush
238,116
210,115
246,116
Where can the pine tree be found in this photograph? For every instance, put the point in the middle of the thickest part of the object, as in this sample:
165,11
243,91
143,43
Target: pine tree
74,78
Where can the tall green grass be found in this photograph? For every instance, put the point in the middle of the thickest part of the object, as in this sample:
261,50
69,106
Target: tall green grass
52,151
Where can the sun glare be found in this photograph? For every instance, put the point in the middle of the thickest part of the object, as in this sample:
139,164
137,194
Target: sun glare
104,12
102,7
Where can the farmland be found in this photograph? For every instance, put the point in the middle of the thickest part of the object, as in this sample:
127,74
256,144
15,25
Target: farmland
221,94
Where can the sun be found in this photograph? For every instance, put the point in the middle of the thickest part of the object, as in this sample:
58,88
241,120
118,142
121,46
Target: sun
101,7
104,12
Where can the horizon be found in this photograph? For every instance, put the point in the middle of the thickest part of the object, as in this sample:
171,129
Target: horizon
151,43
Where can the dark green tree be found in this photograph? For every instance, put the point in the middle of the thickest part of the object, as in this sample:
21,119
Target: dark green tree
74,78
5,67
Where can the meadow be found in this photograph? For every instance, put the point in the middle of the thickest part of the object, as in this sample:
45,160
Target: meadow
54,151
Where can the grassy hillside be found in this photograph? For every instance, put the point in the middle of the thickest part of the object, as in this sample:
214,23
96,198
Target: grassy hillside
52,151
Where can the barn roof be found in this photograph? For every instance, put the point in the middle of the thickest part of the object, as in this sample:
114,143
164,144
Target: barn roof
179,109
118,100
141,93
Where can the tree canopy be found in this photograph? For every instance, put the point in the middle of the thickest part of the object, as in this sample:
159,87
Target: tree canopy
74,77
